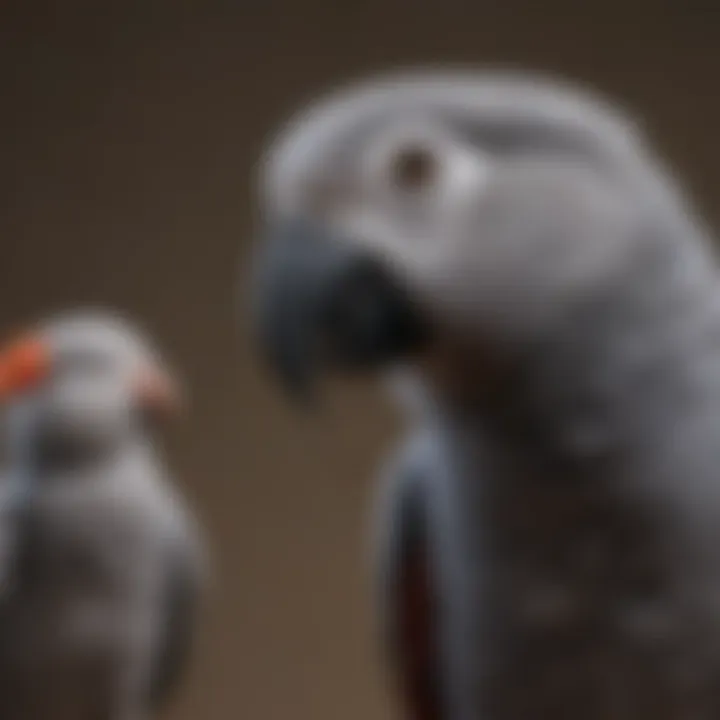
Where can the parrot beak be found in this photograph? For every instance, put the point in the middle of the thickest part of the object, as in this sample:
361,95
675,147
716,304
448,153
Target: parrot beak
157,393
321,302
24,364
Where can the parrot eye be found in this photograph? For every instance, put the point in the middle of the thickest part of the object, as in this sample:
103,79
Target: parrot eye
407,160
414,167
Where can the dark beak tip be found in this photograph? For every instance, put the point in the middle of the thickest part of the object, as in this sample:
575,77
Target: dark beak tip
316,301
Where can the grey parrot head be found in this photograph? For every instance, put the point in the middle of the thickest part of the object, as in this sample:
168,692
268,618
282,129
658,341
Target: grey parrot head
426,205
82,381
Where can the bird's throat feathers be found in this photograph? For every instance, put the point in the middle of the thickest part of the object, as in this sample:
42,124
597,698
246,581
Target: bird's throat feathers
590,383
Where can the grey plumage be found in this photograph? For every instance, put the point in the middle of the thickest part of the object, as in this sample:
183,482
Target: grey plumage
107,568
564,473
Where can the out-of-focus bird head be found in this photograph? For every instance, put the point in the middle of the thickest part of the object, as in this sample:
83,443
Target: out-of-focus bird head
83,381
476,207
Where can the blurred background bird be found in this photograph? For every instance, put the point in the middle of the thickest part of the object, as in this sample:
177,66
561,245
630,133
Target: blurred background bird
549,534
102,563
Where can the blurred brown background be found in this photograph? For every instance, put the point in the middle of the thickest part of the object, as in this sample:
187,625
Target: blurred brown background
129,133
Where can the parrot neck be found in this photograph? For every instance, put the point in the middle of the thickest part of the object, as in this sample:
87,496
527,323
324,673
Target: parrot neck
633,351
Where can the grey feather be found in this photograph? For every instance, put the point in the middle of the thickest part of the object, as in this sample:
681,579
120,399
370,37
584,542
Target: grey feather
570,386
420,521
99,617
182,593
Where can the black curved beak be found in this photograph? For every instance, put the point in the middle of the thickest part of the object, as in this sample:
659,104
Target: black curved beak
322,303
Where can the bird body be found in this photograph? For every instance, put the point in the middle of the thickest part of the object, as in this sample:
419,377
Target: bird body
572,514
96,611
548,540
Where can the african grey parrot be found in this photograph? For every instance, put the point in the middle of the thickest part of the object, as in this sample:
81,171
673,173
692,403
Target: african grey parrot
512,249
101,562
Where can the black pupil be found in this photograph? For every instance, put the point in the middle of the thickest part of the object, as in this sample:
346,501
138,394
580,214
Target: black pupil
414,168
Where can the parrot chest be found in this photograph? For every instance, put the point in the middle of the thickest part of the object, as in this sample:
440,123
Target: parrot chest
588,612
573,554
86,577
560,594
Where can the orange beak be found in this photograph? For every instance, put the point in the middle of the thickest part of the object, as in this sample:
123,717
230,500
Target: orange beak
24,364
157,392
